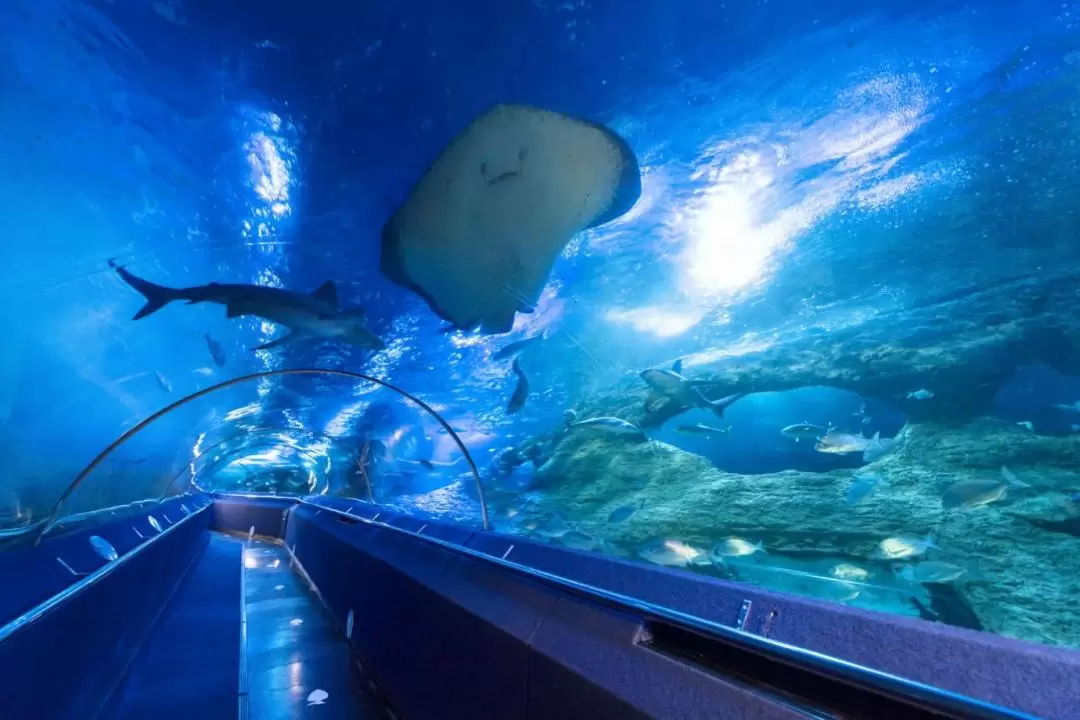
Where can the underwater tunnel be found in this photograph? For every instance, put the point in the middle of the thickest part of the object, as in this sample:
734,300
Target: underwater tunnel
535,359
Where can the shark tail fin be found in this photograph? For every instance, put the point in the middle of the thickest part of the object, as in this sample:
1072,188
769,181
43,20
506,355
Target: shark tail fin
719,406
157,296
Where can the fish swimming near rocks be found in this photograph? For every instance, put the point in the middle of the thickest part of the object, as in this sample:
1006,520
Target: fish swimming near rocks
579,540
700,429
839,443
611,424
734,547
844,571
307,316
521,391
977,492
479,234
862,486
879,447
216,352
903,546
804,431
931,572
625,512
668,385
670,552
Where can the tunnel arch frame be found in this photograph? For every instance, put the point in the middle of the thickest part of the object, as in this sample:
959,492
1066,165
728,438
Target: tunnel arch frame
127,435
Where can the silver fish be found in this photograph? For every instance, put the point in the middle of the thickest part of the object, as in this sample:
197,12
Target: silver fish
734,547
844,571
838,443
804,431
672,553
700,429
920,395
625,512
611,424
879,447
930,572
903,546
973,493
862,486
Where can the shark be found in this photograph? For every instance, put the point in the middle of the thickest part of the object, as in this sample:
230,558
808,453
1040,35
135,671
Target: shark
314,315
666,386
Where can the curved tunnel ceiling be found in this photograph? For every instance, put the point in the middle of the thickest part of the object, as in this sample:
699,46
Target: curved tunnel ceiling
270,148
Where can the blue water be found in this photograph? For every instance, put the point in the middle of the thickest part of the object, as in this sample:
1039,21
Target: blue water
808,170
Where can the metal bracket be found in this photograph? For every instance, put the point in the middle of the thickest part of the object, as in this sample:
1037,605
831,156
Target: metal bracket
744,615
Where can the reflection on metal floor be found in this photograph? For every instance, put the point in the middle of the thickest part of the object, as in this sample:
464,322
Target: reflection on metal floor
195,662
298,666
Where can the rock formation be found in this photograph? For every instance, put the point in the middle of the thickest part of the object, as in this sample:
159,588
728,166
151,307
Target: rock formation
1024,578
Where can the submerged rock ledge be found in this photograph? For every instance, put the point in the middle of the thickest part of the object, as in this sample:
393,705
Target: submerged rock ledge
1024,578
963,348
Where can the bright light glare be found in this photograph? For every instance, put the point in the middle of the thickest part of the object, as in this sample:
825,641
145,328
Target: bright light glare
661,322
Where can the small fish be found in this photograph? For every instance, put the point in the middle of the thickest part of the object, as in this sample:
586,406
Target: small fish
215,350
555,526
931,572
862,486
838,443
804,431
903,546
625,512
1010,477
975,493
163,382
700,429
512,512
734,547
920,395
843,571
204,371
611,424
317,697
578,540
521,392
1071,407
672,553
516,347
1027,425
879,447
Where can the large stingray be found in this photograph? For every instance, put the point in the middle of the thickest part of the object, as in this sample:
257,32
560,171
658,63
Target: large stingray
479,233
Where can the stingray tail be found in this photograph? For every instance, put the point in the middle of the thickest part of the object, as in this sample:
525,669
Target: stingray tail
157,296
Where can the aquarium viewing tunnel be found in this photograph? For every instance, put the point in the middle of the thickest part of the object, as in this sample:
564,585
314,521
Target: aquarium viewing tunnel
539,359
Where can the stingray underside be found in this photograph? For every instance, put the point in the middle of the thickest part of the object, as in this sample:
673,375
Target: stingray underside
478,235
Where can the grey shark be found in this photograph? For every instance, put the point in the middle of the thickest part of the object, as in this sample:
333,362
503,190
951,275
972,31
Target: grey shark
670,385
307,316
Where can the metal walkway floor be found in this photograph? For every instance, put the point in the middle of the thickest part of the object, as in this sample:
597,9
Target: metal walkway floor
296,664
244,622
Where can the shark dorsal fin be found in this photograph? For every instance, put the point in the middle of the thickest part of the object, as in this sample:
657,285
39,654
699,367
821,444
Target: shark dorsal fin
677,367
327,293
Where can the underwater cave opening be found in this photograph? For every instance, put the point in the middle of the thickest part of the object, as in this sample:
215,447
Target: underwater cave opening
754,443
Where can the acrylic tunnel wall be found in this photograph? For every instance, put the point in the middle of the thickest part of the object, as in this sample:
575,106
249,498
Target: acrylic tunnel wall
259,446
829,350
